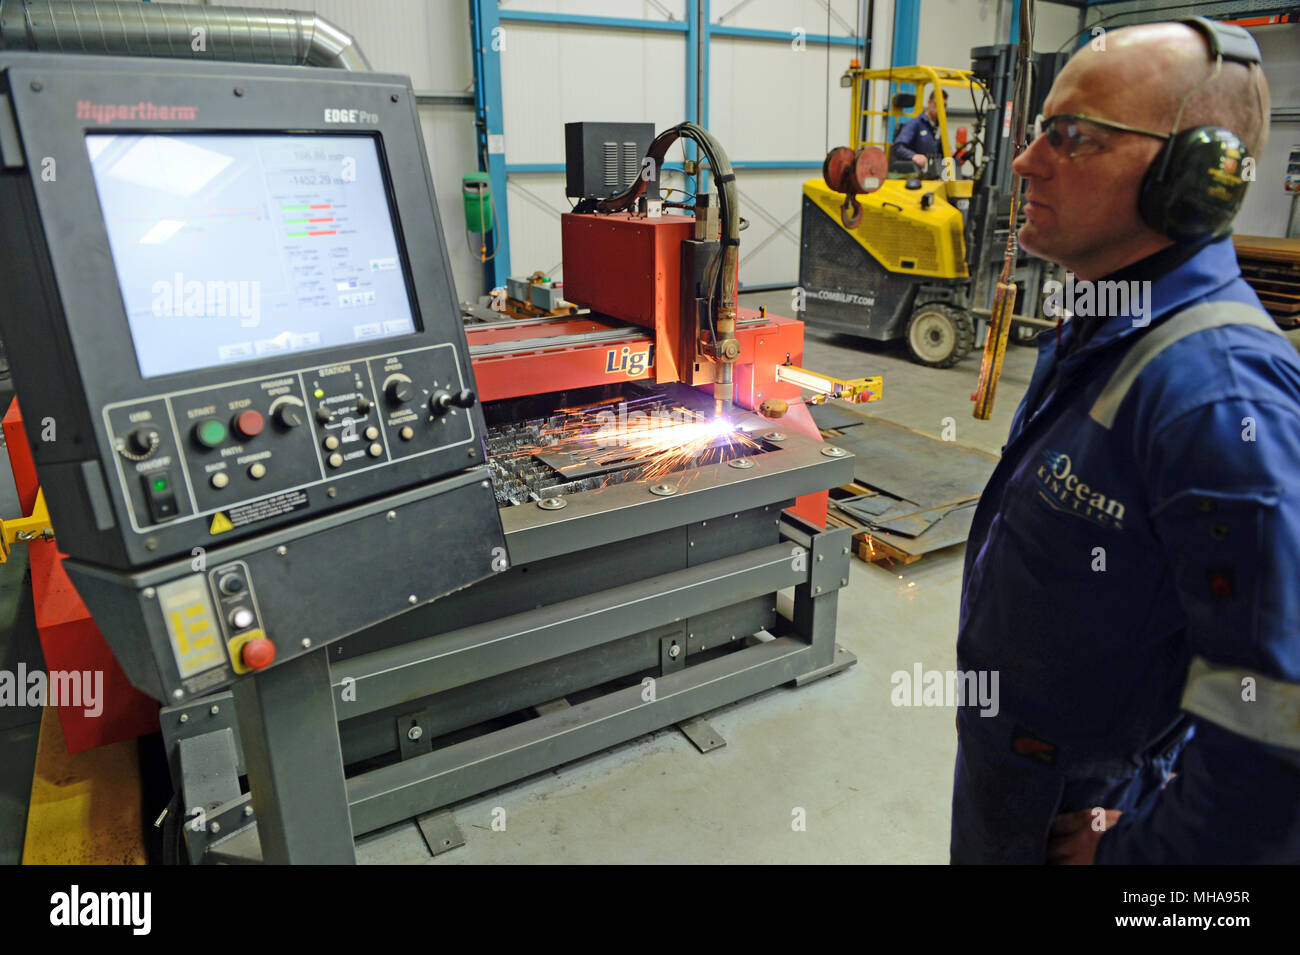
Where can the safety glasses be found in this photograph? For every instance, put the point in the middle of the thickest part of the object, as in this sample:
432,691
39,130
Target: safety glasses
1074,134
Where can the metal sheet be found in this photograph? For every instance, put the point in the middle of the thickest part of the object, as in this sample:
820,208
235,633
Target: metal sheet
604,516
913,466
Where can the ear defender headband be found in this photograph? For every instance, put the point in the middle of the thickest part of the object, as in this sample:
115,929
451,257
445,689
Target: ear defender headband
1194,186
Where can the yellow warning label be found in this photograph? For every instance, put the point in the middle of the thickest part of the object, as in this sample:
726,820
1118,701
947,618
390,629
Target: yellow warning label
220,524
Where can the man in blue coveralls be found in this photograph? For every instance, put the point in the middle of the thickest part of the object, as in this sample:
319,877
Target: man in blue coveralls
917,141
1130,568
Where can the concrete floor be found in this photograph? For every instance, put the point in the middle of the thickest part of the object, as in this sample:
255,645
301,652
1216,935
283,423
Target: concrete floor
874,780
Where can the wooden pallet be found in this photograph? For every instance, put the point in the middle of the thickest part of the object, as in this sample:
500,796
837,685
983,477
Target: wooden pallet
873,546
929,486
1272,268
866,546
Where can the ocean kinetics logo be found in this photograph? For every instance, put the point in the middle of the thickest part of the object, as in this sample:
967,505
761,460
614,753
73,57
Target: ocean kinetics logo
1065,490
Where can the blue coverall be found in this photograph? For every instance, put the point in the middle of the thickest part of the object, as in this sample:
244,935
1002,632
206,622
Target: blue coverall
1137,584
916,136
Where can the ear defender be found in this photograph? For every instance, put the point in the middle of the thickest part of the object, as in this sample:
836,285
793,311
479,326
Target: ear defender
1195,185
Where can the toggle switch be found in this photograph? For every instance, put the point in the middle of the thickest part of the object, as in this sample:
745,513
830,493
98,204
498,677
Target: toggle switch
160,495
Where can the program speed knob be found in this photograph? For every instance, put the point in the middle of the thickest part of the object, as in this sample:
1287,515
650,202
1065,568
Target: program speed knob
288,412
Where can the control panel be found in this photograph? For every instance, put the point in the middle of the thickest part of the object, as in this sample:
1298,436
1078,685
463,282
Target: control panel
252,450
238,351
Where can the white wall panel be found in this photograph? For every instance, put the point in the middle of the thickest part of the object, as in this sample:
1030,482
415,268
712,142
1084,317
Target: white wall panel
949,28
421,38
778,101
552,75
768,101
772,201
557,74
1268,207
1055,26
451,144
536,201
785,15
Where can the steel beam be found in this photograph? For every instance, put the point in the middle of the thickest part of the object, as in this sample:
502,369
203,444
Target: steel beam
435,664
817,39
907,28
485,32
402,790
584,20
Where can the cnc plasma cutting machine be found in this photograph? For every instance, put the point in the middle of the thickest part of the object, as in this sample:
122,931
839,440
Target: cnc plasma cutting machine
367,561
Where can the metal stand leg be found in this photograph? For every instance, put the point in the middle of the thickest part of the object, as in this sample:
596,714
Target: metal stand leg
816,604
295,765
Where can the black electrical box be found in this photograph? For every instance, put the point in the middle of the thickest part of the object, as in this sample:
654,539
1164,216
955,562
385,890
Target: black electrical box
603,159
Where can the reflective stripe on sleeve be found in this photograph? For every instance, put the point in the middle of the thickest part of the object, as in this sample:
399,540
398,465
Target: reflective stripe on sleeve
1250,704
1195,319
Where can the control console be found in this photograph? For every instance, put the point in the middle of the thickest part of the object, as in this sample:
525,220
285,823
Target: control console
239,356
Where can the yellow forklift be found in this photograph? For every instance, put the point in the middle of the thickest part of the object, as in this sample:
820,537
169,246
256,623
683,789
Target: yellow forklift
889,251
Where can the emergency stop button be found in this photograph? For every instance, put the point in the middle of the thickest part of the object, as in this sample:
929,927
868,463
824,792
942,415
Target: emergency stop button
258,653
249,424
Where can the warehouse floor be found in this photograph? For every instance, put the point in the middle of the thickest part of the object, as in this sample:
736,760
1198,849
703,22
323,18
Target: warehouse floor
874,780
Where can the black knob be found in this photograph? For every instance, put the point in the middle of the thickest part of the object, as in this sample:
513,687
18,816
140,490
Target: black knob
290,415
464,398
324,415
231,584
143,441
364,405
399,391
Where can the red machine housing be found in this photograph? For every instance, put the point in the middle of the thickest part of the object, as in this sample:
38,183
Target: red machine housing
70,638
628,270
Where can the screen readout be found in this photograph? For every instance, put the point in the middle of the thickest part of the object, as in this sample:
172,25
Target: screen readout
232,248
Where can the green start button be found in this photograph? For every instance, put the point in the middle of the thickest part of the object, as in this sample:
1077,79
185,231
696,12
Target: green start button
210,432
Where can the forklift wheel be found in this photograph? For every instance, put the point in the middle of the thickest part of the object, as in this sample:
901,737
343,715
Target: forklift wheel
939,335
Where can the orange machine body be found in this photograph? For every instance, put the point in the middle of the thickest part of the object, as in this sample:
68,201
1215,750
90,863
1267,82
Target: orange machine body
628,270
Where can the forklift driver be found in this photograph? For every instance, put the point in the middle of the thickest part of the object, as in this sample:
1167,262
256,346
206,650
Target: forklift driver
918,141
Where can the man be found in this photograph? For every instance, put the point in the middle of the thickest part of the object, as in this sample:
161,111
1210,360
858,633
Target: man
917,141
1130,568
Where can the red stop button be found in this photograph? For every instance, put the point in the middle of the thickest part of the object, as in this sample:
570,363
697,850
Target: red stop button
258,653
249,424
